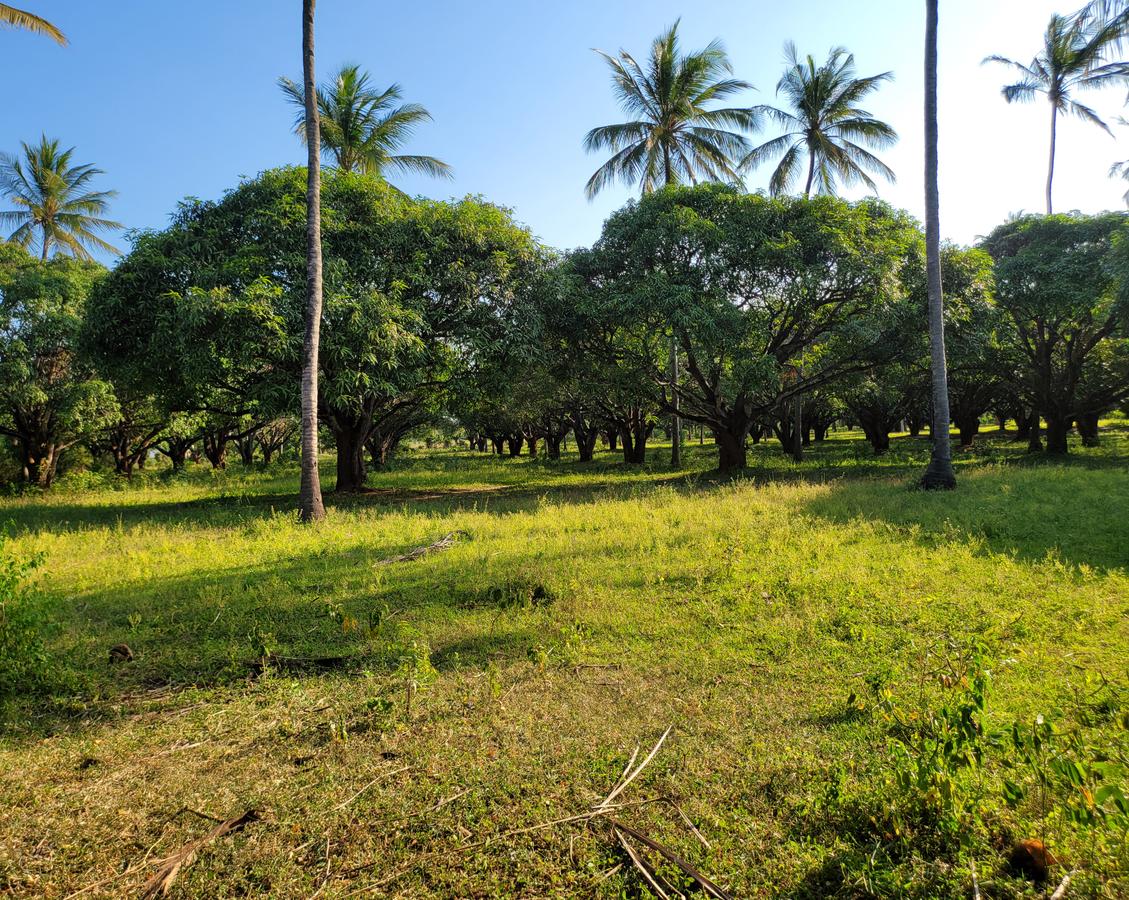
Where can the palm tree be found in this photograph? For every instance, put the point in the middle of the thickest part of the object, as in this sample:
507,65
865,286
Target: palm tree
18,18
674,135
1073,58
939,473
362,128
1121,170
54,202
310,505
824,122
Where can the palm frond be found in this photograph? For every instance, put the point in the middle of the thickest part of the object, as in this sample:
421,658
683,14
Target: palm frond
19,18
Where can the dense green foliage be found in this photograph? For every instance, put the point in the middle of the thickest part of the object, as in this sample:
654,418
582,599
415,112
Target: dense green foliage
50,399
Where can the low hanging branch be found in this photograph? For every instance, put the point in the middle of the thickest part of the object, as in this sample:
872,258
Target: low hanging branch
447,541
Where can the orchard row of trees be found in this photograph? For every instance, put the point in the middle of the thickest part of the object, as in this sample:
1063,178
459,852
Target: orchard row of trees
779,302
440,312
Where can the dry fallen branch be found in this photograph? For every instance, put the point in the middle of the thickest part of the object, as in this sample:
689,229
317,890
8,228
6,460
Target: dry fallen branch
163,878
710,889
447,541
662,888
1060,891
625,781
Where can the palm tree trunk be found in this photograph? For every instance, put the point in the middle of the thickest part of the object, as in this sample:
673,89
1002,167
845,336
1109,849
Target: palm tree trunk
811,173
675,420
310,506
45,242
668,166
939,473
1051,164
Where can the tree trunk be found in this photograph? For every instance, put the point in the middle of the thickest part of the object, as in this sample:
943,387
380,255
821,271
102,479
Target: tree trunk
532,442
310,505
215,449
553,443
1034,445
515,443
879,437
246,450
1051,162
351,470
1088,429
611,436
939,474
1058,427
969,427
40,462
675,420
730,450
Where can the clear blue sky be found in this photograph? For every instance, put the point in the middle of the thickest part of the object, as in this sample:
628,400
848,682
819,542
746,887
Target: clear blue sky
174,99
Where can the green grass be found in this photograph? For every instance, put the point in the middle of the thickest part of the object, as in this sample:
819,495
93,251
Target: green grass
587,608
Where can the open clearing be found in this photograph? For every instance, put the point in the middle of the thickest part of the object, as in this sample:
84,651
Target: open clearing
580,611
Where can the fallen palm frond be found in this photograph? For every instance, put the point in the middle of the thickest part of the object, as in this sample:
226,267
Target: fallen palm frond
448,540
170,866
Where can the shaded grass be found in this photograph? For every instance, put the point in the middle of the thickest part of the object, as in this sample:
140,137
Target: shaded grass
742,610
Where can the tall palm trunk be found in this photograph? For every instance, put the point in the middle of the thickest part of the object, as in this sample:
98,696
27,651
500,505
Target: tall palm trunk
310,506
1051,163
940,472
675,419
811,172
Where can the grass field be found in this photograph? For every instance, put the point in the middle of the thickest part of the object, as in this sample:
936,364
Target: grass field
806,630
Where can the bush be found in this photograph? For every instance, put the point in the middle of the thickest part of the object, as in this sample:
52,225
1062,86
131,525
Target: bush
24,664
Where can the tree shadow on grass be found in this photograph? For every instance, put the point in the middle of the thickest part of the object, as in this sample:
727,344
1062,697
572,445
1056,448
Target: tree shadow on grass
60,513
1030,508
211,629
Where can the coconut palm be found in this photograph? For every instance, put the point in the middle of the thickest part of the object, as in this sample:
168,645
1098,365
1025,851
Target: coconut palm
310,505
823,122
362,127
939,473
674,135
54,204
1074,57
18,18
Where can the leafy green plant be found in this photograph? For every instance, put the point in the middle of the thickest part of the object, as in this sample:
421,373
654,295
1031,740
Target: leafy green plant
24,663
415,670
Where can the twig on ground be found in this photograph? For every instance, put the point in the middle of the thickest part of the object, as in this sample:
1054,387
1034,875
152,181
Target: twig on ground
635,774
975,882
341,806
448,540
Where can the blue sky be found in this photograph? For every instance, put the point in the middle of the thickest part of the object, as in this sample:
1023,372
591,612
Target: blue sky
179,99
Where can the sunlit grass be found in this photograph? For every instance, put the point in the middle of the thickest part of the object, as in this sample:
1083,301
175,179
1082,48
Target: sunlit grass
743,611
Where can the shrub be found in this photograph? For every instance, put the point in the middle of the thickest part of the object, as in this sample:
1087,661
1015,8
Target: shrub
24,664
